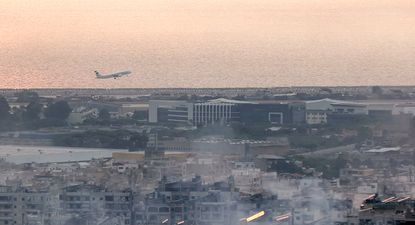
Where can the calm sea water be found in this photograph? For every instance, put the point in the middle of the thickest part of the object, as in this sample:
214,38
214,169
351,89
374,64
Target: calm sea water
183,43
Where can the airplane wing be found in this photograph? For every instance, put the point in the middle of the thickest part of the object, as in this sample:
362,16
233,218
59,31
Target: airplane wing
114,75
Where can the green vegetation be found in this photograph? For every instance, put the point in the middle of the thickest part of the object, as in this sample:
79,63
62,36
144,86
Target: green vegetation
329,167
30,117
104,114
27,96
109,122
5,119
328,137
235,130
59,110
33,111
378,91
140,115
286,166
303,137
4,109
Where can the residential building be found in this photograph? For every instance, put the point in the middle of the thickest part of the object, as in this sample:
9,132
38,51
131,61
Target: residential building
189,201
24,206
95,202
387,211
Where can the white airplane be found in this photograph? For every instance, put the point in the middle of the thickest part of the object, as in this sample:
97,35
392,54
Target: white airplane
113,75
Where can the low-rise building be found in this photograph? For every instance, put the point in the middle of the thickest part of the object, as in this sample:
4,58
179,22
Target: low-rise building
316,117
188,202
386,211
79,115
95,202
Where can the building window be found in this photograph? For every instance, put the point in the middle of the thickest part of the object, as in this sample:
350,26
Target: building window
109,198
164,209
275,117
152,209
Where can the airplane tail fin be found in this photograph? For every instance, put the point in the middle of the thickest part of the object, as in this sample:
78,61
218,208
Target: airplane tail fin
97,73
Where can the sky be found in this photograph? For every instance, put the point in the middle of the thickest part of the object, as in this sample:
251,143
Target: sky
206,43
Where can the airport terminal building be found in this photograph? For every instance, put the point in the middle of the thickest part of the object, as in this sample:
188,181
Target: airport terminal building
224,111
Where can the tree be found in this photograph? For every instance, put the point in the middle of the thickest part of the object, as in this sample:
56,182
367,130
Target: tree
33,111
4,108
183,97
194,97
411,132
327,90
364,133
16,114
239,97
138,141
285,166
104,114
59,110
328,166
140,115
27,96
377,90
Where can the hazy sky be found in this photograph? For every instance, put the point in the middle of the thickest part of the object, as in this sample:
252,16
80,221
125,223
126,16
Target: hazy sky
210,43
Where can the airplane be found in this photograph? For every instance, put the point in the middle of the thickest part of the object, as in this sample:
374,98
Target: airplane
113,75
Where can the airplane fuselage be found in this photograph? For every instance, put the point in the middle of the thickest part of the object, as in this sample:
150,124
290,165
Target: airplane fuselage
113,75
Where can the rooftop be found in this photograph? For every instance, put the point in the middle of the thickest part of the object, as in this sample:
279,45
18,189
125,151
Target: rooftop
48,154
383,150
231,101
